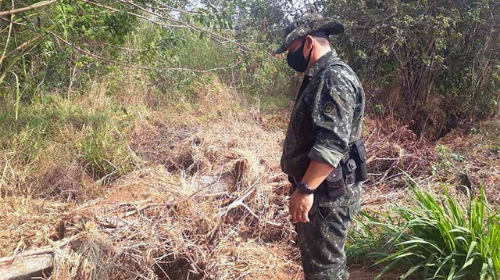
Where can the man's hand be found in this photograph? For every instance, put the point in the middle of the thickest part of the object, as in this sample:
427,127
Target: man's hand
300,204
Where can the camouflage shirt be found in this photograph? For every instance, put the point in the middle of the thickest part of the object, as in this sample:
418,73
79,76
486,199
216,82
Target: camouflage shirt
327,116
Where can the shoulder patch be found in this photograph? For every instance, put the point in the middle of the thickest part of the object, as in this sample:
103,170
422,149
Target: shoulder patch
328,108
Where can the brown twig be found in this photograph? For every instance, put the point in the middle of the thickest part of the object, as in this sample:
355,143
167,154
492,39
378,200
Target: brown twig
24,9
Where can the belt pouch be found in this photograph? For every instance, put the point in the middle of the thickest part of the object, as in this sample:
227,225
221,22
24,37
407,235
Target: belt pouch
335,185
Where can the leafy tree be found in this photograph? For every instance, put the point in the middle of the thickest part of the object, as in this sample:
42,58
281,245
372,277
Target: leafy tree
48,47
437,57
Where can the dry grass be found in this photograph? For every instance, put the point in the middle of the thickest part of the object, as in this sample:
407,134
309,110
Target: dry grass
207,203
209,208
470,158
62,148
204,197
394,152
27,223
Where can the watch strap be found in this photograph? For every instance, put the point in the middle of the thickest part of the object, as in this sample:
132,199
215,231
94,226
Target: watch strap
304,188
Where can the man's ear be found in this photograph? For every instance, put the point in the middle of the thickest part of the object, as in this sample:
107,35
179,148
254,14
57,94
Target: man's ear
309,41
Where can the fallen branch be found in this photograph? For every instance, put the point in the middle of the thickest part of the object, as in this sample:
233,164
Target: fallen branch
238,202
39,251
24,9
27,267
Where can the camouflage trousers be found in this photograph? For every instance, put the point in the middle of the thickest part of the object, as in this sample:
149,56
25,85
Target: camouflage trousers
322,240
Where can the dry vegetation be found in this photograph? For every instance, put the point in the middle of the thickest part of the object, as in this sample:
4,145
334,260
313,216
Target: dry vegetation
200,194
206,200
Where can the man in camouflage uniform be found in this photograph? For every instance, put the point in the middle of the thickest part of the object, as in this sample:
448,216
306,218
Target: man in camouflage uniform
326,118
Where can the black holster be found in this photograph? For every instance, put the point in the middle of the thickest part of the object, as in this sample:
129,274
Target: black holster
348,172
358,153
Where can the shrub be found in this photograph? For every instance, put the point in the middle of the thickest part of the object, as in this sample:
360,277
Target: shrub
453,76
439,238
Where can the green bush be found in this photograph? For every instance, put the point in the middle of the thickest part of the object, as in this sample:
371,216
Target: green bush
424,58
438,238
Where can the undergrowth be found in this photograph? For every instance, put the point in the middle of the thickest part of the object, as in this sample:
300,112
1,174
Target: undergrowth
437,238
54,143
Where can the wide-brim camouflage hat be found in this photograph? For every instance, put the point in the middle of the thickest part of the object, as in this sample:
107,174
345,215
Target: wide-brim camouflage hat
307,25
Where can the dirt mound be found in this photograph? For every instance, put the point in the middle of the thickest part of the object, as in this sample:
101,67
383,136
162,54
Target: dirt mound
155,224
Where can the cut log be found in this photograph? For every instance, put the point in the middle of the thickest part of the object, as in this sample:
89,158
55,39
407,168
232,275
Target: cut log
31,263
27,267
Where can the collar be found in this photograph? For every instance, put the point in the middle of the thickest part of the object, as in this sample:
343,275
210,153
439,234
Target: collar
321,63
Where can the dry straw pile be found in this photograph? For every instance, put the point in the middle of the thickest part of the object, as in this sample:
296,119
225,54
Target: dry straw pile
207,201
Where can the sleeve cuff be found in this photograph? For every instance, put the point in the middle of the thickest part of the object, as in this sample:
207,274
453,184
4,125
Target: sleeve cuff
323,154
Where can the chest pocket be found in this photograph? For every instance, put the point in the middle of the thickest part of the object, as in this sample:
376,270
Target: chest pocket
301,119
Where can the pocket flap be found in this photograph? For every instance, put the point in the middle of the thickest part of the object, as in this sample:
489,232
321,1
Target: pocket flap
335,175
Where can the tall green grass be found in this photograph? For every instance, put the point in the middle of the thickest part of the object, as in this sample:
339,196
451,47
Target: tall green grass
438,238
88,132
254,72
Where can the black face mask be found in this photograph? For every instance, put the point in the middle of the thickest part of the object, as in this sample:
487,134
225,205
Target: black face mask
297,61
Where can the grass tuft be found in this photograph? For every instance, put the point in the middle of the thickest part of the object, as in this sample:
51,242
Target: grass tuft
57,147
438,238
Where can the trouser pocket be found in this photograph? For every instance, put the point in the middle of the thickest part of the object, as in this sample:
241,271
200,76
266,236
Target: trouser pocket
336,219
322,242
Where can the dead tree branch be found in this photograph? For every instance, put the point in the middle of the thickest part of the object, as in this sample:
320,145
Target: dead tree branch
24,9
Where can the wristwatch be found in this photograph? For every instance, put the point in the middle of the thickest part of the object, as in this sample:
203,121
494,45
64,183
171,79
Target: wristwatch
303,188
